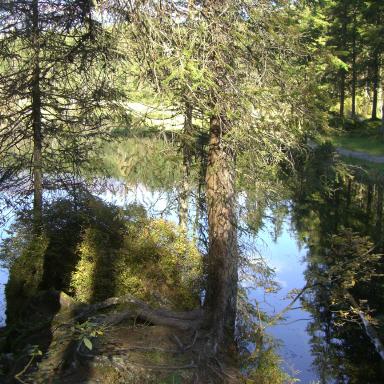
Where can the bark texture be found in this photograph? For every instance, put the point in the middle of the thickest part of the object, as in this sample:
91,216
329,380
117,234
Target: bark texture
354,72
342,92
222,259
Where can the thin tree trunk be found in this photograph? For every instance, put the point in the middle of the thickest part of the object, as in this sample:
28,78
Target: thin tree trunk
379,210
368,327
36,123
342,92
185,188
342,71
222,259
199,230
369,201
375,86
349,193
382,108
354,75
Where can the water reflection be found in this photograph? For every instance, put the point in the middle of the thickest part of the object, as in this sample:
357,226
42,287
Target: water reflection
292,231
285,255
338,213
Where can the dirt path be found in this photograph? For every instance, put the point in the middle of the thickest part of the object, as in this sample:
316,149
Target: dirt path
354,154
360,155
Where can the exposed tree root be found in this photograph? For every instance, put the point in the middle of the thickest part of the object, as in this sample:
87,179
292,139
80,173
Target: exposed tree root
175,341
139,309
136,308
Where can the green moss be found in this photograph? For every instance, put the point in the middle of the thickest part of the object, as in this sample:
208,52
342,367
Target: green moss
154,259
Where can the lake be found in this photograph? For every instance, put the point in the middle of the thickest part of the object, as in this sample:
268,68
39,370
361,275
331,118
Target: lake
306,342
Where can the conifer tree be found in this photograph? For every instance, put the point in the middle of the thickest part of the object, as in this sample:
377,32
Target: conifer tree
236,61
50,90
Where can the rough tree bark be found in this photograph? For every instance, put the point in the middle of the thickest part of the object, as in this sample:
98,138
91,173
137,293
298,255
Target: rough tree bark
36,124
370,192
342,92
222,259
379,214
382,107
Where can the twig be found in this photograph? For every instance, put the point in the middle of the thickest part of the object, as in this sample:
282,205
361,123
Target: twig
288,307
139,348
24,370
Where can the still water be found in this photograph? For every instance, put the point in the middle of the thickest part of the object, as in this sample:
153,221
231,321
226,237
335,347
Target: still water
285,252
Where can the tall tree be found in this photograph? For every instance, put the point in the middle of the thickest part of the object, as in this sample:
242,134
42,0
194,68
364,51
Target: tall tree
187,148
236,62
49,92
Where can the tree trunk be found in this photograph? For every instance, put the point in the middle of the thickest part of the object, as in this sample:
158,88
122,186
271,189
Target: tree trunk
349,193
369,201
382,108
342,71
342,92
36,124
222,259
354,75
184,190
375,86
379,217
370,330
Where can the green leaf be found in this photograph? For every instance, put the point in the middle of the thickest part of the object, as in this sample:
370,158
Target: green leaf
87,343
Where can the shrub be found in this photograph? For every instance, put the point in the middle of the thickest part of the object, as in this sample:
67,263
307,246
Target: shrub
155,261
94,250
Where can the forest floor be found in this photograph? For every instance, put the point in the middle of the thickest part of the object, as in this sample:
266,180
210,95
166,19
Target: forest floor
130,350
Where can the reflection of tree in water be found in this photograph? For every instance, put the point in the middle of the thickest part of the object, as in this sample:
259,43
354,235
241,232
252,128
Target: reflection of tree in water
340,262
342,350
